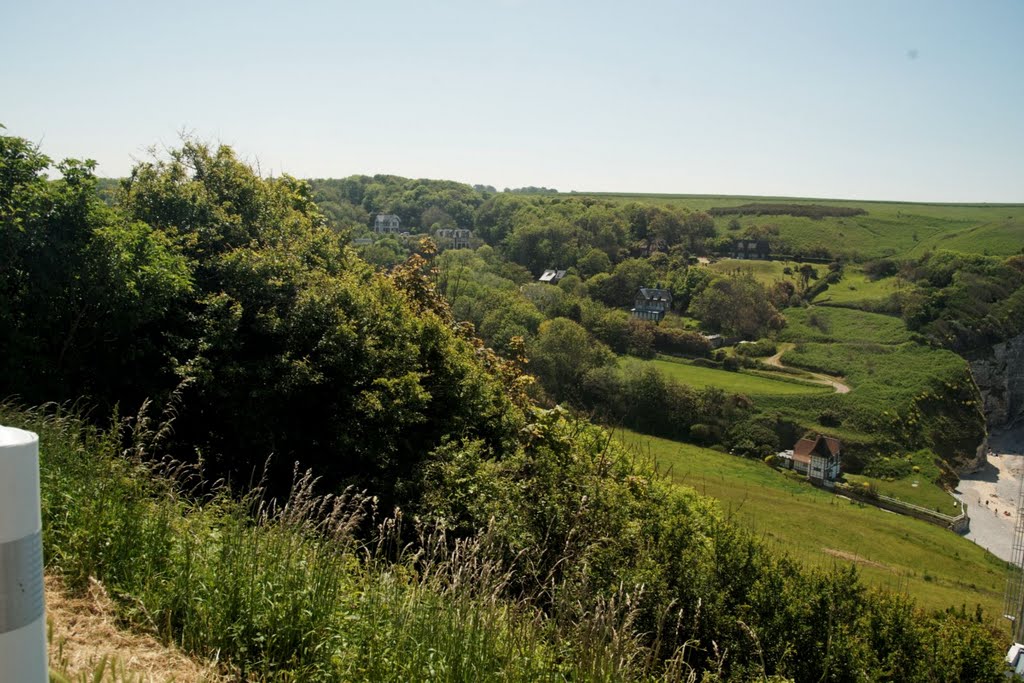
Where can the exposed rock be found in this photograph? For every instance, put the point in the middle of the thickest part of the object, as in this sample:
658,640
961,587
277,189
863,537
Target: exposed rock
1000,377
979,461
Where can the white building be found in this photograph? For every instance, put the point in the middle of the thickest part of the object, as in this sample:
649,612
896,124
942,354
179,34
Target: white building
387,223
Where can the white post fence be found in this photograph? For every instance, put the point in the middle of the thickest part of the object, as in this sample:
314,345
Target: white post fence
22,610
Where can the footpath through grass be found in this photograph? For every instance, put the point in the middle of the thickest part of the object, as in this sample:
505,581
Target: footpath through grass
935,566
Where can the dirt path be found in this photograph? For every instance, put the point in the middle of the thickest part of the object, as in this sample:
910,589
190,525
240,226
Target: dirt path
816,377
992,493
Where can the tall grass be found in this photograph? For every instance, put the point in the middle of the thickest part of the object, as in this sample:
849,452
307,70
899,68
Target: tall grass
317,588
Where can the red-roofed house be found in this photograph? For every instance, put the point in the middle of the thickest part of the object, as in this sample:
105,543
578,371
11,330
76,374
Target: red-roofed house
818,458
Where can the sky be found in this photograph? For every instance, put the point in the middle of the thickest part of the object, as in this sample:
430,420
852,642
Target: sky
891,100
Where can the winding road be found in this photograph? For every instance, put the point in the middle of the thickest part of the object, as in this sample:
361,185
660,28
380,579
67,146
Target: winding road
816,377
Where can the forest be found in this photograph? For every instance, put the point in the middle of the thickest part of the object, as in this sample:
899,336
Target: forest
192,339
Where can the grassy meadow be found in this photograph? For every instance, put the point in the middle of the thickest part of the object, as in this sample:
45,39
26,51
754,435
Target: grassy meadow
288,590
732,382
765,272
856,290
843,325
820,528
888,228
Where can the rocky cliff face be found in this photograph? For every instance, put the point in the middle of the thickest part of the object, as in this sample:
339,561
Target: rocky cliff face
1000,377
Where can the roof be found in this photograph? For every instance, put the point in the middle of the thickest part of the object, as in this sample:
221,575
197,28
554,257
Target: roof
748,243
386,216
552,275
824,446
652,294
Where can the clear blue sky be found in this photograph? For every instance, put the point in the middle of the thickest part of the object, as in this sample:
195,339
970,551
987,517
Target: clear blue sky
894,99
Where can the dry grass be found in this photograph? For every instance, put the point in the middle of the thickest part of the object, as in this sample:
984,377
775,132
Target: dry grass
85,637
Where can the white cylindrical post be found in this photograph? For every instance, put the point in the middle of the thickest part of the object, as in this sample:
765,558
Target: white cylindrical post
22,618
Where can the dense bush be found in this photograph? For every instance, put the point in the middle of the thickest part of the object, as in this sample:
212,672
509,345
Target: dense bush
562,560
758,349
806,210
229,287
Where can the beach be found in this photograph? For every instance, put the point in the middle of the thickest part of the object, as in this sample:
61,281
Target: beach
992,493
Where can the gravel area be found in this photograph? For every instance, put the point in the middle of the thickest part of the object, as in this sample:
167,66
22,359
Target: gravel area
992,493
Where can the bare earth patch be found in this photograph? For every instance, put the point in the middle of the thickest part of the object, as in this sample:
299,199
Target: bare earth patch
853,557
84,631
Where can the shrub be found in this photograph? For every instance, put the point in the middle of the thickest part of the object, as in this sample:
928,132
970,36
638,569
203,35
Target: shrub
760,348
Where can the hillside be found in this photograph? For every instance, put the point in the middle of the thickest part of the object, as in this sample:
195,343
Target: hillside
886,229
330,476
934,566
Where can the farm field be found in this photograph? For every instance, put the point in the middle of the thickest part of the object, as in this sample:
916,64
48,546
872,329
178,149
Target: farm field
888,228
819,528
732,382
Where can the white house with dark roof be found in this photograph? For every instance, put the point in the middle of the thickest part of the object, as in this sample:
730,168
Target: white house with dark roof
818,458
387,223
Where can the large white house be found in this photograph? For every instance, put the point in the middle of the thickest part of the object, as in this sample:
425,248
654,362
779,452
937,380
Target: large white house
387,223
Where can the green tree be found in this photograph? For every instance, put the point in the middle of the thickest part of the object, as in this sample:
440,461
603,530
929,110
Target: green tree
621,287
562,354
737,305
593,262
82,286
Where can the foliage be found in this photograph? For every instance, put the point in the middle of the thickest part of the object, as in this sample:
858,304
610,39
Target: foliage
888,550
83,287
888,229
587,568
522,543
737,305
760,348
935,404
772,209
620,288
207,277
563,354
422,205
965,302
828,324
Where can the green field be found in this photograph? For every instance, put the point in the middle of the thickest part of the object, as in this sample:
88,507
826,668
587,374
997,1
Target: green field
856,290
844,325
888,229
915,488
732,382
821,529
765,272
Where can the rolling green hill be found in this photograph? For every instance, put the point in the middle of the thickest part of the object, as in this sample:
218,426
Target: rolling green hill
821,529
887,229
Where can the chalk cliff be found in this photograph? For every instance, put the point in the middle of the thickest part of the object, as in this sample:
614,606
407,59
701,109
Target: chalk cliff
1000,377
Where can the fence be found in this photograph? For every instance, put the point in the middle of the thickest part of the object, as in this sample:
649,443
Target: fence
959,523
